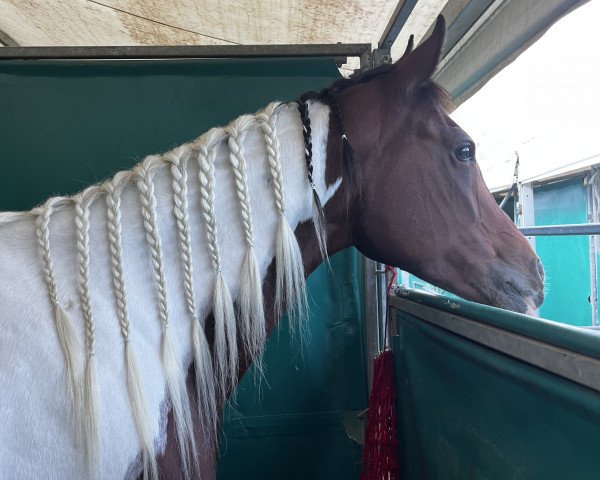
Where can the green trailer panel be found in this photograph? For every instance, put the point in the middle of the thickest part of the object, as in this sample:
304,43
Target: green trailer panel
68,124
470,410
565,258
297,425
78,122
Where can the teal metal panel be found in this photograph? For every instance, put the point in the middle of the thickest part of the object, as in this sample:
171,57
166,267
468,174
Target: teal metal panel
467,411
565,258
310,396
67,124
555,333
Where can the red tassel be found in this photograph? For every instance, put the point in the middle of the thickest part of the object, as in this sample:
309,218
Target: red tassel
380,452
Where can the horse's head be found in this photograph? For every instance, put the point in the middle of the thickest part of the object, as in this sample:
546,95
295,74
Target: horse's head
419,201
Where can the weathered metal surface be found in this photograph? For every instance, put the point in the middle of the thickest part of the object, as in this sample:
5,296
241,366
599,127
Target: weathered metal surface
187,51
154,22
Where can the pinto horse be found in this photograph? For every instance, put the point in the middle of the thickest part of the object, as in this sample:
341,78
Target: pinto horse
130,310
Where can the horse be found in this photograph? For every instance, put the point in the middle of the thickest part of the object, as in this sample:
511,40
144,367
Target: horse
131,310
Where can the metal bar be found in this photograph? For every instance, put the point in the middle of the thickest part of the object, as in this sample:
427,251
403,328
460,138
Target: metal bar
527,212
366,60
384,337
569,364
509,194
592,252
515,185
548,230
6,40
460,15
397,21
186,51
371,327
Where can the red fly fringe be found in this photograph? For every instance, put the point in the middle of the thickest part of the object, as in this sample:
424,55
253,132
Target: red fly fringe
380,452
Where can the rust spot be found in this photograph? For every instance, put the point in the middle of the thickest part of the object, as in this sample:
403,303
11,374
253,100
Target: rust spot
145,32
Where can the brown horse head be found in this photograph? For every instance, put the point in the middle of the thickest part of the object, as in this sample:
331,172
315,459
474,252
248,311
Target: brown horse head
413,195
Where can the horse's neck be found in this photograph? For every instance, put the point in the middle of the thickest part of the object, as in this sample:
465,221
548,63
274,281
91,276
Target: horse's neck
230,231
24,285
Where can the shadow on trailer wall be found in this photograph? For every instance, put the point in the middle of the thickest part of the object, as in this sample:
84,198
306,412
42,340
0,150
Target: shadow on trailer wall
68,124
488,394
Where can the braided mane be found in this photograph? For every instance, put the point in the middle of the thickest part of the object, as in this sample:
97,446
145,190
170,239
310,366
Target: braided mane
216,373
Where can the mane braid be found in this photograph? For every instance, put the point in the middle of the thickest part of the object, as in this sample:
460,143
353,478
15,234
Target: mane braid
203,368
175,379
317,214
64,328
90,389
135,386
225,362
347,150
290,286
252,315
217,369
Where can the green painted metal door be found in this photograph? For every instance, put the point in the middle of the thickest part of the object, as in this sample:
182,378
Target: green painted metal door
65,125
298,424
467,411
565,258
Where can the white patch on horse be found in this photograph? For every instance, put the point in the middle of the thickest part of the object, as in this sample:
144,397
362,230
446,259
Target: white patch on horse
37,438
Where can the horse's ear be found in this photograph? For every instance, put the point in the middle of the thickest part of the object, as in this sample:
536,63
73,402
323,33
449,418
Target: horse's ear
418,67
409,47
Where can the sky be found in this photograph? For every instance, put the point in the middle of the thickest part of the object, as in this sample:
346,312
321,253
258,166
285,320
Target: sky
545,105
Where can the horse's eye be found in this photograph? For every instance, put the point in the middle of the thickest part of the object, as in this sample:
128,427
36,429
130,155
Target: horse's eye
465,153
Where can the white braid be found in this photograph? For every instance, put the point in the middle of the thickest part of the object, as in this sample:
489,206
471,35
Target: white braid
207,405
178,159
290,286
144,175
237,133
252,316
174,375
223,368
225,349
268,123
135,386
64,328
113,213
90,393
82,222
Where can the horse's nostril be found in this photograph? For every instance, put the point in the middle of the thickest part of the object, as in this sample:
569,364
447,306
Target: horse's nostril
540,269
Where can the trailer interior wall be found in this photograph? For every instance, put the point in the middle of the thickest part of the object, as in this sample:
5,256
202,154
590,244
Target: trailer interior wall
485,393
68,124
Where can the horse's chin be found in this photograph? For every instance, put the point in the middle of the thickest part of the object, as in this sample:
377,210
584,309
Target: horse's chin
512,298
531,308
514,304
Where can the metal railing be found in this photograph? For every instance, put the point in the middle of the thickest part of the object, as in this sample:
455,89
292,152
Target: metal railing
572,229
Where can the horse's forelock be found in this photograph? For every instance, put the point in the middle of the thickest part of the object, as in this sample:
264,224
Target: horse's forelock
435,94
